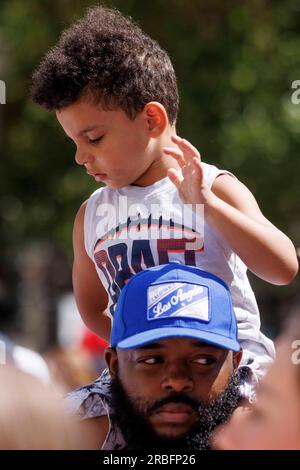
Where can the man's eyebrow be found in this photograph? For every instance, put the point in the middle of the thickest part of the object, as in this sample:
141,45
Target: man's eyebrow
90,128
202,344
155,345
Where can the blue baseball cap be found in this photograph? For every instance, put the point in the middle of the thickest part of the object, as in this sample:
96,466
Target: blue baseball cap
171,301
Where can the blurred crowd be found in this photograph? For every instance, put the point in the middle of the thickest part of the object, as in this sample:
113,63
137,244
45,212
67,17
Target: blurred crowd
45,350
32,411
35,388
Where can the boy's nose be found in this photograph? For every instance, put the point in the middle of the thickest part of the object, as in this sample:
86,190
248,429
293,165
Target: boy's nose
82,158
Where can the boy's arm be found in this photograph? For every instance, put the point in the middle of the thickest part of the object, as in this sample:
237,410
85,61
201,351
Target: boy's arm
235,214
90,295
231,209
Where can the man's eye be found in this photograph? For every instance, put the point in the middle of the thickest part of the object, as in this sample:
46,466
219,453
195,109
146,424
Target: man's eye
150,360
94,141
205,361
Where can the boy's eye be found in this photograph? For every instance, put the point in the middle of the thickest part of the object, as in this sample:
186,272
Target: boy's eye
94,141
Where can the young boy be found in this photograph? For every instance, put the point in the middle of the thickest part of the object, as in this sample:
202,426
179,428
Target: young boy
115,95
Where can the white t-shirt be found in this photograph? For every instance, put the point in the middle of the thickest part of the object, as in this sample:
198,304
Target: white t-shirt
129,229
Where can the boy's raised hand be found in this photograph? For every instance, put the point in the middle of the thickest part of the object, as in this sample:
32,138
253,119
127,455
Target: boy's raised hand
189,181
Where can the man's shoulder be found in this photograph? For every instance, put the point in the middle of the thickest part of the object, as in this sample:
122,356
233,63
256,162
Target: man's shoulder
91,405
97,430
89,401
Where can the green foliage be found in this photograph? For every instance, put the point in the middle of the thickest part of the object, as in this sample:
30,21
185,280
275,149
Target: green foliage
235,63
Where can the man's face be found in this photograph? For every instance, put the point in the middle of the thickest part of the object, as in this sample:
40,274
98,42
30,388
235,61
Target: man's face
113,148
170,381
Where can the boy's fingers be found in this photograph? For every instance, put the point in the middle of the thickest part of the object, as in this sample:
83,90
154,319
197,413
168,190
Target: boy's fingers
198,166
176,153
175,176
188,149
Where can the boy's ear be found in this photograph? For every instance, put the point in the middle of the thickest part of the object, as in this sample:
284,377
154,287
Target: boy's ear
111,359
157,118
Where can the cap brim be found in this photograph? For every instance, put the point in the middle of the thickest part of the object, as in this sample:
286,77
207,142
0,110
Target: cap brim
176,332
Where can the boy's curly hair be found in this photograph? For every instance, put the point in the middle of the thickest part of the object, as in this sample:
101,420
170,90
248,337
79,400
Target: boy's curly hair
106,54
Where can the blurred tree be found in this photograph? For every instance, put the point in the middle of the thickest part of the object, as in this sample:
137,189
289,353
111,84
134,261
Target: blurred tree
235,63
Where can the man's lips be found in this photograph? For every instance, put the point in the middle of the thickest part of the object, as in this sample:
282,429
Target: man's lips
175,413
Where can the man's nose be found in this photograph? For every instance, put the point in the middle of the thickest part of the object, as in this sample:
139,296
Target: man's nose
178,379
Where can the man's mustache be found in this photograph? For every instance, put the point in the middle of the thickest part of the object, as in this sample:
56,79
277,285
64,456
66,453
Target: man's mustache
178,398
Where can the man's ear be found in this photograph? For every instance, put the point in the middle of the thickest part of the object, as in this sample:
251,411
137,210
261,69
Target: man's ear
237,357
157,118
111,359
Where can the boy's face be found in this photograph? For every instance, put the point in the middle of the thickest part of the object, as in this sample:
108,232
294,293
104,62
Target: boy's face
113,148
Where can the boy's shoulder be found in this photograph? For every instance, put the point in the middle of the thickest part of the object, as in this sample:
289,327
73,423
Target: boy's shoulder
211,172
101,194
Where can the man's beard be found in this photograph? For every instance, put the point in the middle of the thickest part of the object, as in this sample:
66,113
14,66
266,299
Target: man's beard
132,418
